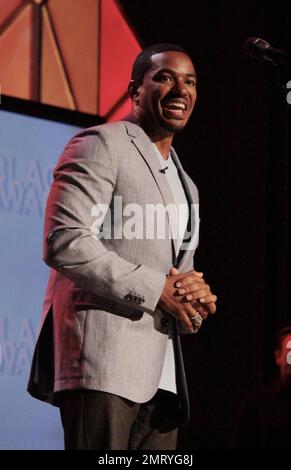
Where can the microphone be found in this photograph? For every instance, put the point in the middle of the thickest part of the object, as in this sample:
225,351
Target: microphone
163,170
260,49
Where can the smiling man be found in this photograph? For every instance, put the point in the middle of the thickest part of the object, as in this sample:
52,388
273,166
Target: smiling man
109,353
163,95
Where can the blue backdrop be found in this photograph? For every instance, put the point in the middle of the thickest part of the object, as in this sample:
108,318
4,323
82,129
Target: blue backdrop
28,152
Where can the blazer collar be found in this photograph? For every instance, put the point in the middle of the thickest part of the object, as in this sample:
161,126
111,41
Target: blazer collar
145,148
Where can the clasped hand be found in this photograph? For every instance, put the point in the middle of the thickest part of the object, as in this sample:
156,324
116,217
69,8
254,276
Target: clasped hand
187,294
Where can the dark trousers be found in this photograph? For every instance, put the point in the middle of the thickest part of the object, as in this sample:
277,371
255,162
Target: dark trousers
96,420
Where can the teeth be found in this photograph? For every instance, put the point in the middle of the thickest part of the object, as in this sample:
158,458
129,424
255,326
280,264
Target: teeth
177,106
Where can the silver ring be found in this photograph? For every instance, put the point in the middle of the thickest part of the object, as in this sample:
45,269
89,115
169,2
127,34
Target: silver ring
196,320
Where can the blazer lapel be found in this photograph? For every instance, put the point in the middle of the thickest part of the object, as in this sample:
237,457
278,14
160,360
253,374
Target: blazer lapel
145,148
193,224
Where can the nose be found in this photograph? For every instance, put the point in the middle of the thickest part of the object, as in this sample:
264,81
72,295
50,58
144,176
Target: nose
180,87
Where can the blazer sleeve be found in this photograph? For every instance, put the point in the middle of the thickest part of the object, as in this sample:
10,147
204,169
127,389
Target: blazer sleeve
85,176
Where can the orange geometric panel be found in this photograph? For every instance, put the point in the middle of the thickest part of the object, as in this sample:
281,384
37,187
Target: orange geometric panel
7,8
74,54
119,47
54,89
76,27
15,55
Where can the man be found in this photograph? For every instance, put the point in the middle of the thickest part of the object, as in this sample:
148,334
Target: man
265,418
283,356
116,299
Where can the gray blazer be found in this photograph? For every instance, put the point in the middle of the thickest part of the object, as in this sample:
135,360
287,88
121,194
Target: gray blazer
102,328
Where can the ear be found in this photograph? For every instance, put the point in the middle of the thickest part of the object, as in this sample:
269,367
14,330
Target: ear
133,89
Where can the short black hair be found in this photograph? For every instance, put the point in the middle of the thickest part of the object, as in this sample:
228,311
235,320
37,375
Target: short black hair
281,335
143,61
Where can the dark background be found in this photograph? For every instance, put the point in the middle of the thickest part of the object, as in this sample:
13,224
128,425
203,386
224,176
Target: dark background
236,149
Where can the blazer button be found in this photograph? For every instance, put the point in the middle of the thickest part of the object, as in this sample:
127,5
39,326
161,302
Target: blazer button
165,321
128,297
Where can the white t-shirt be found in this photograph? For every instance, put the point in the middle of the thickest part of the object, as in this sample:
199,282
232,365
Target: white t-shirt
179,224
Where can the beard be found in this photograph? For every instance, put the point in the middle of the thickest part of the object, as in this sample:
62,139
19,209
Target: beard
170,127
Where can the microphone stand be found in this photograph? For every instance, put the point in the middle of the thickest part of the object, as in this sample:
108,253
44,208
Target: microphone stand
277,200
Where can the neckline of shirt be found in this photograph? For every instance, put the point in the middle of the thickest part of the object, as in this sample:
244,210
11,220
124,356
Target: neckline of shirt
164,162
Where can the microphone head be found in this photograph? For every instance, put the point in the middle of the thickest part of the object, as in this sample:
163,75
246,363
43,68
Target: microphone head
163,170
256,47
